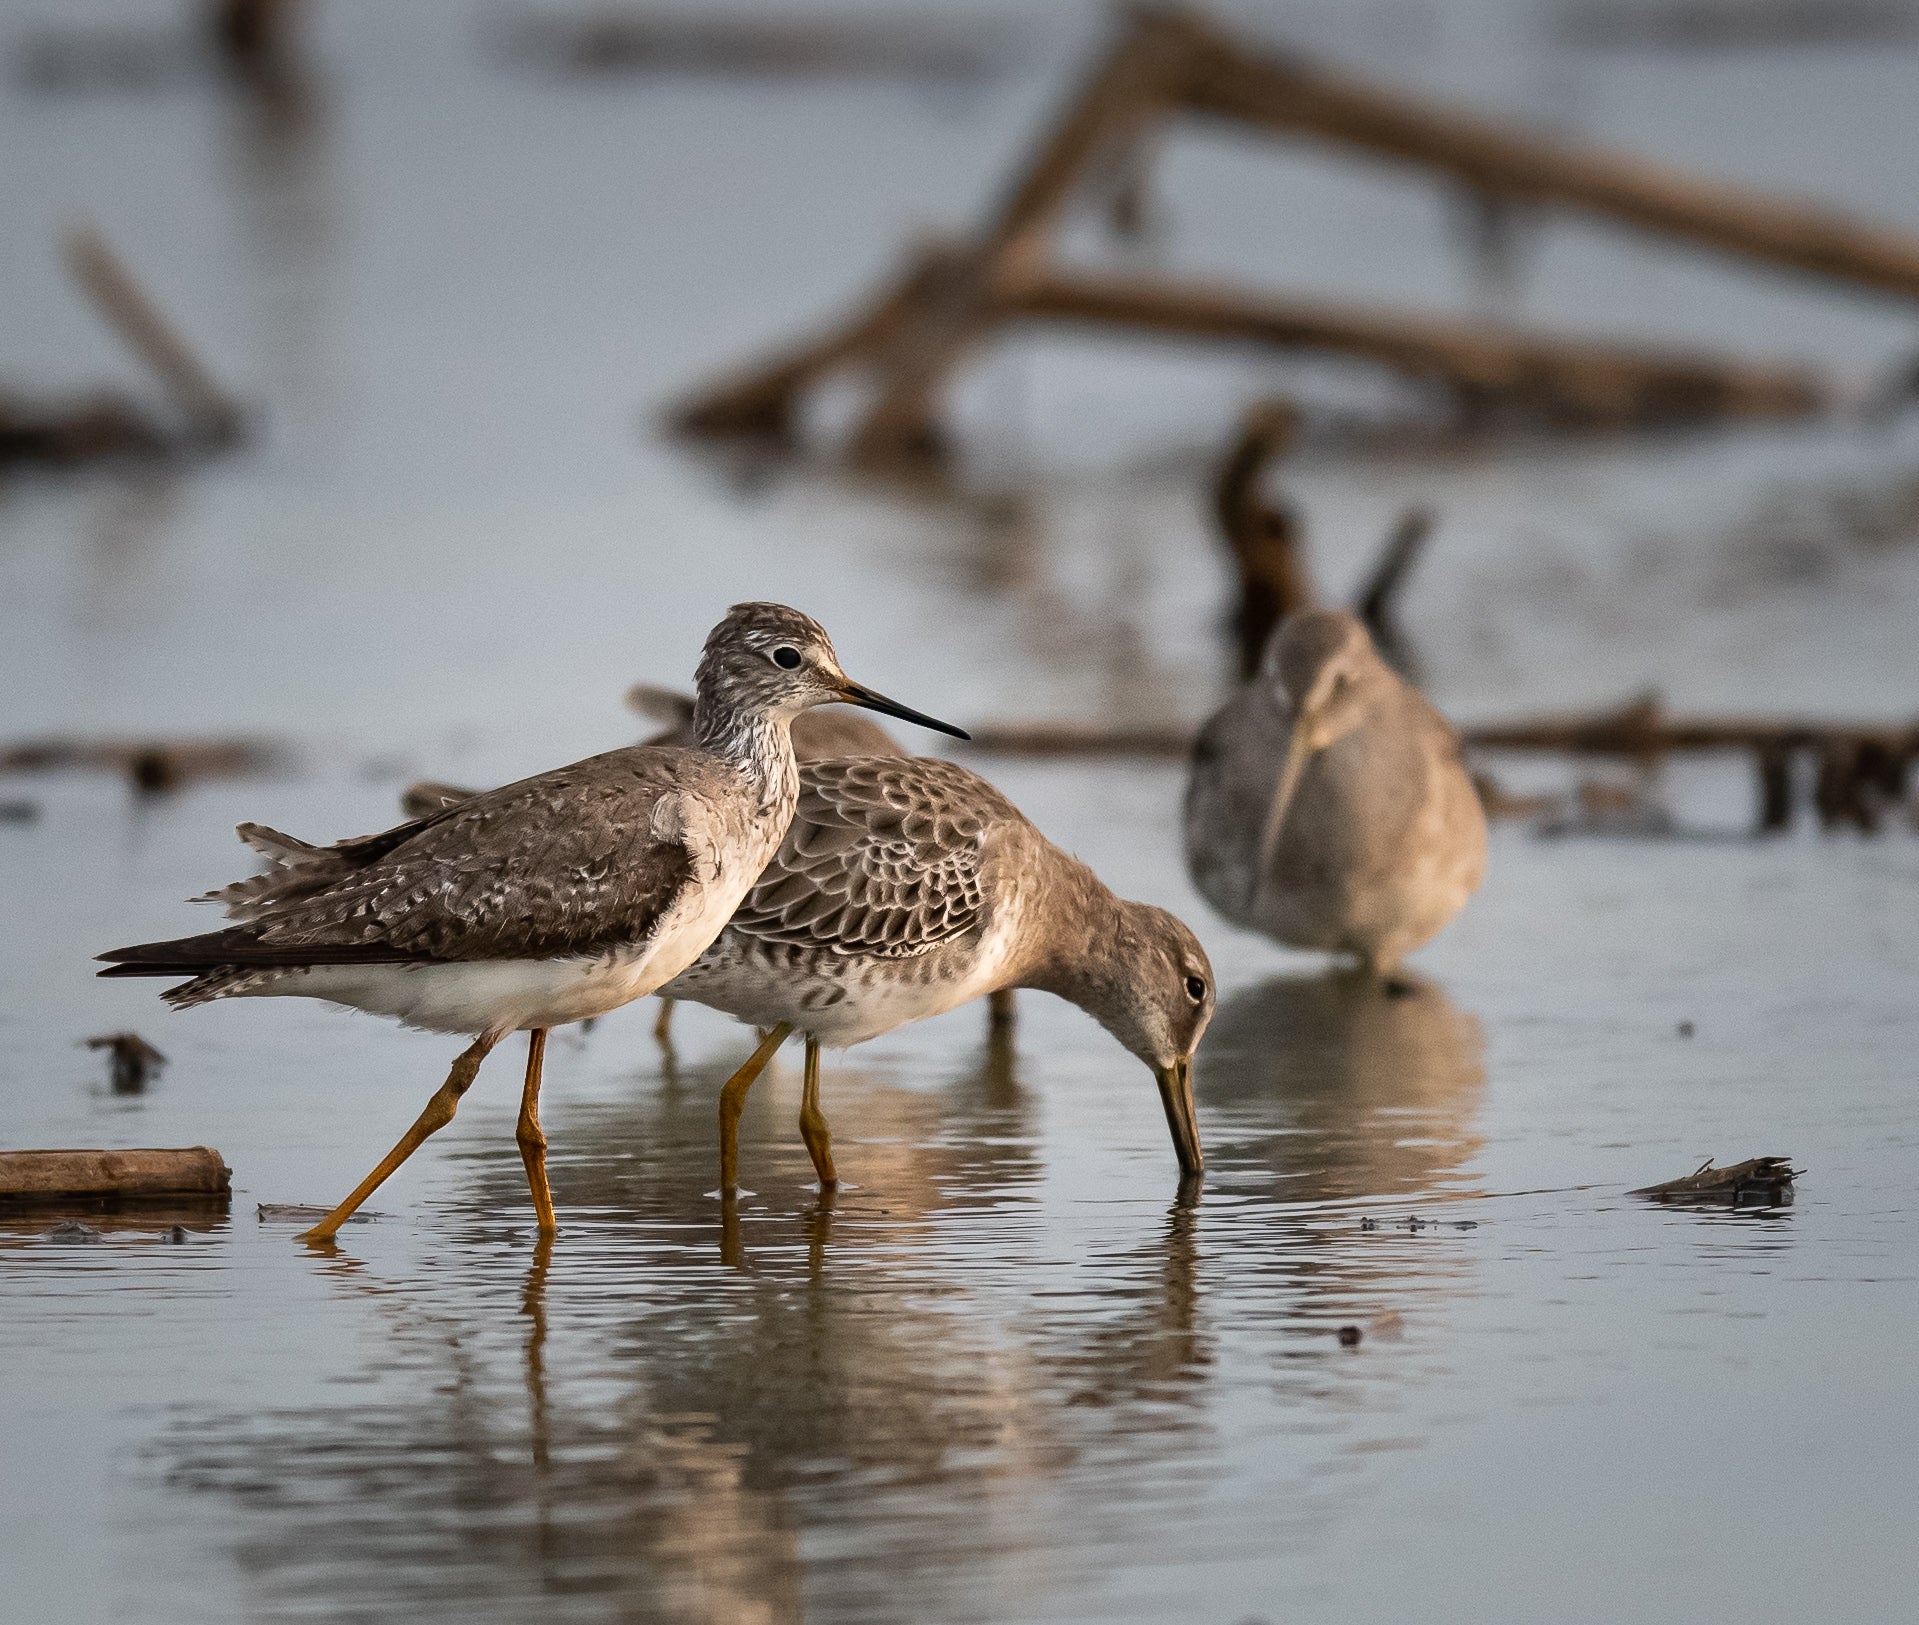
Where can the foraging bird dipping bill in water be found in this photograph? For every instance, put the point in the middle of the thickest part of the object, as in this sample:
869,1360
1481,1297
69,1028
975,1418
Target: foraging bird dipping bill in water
548,901
1327,804
905,888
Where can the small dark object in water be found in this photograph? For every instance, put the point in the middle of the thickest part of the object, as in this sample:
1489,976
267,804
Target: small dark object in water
72,1230
151,765
305,1213
1349,1337
1758,1182
134,1060
1465,1224
19,812
177,1235
1685,1029
1369,1224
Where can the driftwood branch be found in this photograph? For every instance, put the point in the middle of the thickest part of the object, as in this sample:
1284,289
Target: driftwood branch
149,764
214,418
922,327
1264,535
1757,1182
1226,80
1486,367
1378,601
1861,771
1079,739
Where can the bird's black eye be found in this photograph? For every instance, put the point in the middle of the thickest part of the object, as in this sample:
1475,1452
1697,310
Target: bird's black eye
786,657
1196,989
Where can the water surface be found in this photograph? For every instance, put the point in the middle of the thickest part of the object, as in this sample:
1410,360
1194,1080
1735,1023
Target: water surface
1012,1373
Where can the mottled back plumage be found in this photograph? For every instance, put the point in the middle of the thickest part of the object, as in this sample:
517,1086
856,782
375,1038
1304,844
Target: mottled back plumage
883,857
590,861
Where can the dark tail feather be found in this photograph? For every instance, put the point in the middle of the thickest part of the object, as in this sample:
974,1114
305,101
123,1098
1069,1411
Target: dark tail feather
235,949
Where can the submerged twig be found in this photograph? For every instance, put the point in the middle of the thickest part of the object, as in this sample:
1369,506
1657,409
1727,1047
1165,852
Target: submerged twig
1757,1182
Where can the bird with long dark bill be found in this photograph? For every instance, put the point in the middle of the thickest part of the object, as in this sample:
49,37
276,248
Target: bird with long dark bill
547,901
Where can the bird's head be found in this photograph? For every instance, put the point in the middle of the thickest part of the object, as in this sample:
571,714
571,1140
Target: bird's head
770,661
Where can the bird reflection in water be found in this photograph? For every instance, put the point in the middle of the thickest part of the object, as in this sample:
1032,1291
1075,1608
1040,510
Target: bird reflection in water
1335,1087
917,1399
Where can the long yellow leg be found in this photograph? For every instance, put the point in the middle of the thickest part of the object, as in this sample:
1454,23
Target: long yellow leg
813,1129
733,1102
532,1137
439,1112
663,1025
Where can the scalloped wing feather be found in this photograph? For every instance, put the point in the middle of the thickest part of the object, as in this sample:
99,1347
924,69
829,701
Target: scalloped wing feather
884,857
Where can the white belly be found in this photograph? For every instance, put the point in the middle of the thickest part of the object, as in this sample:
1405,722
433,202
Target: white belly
512,995
847,999
483,995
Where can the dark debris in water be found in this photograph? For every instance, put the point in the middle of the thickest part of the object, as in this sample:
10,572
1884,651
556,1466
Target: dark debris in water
1414,1222
72,1230
133,1060
306,1213
1757,1182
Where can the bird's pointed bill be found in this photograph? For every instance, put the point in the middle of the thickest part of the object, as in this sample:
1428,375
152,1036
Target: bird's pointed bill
1176,1095
859,694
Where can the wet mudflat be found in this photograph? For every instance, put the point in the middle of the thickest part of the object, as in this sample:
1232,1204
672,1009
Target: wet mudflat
1011,1373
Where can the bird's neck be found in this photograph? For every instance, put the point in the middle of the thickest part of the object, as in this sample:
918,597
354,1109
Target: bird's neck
758,743
1074,941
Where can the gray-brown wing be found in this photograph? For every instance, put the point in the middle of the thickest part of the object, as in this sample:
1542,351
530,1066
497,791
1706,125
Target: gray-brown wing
883,857
575,861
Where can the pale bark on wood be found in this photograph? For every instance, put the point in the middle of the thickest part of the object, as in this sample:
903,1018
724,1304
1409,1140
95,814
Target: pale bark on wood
168,1172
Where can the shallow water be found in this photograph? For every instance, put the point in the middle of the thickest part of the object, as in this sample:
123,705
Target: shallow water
1011,1373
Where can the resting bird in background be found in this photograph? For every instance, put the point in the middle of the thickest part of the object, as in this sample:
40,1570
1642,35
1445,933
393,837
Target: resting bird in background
1327,804
544,902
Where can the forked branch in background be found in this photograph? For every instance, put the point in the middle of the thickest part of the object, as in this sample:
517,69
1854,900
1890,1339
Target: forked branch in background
911,338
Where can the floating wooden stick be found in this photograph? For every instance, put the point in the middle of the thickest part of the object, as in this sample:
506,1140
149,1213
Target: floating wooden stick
1643,728
1378,601
687,39
189,1170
